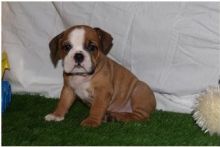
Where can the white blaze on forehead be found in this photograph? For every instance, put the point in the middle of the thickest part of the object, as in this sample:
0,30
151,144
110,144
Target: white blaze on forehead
77,38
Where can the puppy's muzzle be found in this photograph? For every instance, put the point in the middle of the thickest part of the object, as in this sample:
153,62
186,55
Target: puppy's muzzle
78,57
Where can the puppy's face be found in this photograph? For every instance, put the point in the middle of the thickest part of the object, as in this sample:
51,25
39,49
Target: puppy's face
80,47
80,50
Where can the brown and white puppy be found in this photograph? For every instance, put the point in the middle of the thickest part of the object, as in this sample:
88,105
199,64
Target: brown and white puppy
112,92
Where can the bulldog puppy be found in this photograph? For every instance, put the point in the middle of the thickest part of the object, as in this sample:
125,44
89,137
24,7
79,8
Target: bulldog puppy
112,91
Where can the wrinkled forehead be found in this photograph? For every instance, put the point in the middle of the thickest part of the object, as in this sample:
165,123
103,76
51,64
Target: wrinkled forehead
81,35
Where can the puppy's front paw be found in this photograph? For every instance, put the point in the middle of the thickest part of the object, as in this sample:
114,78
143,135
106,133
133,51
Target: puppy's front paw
89,122
52,117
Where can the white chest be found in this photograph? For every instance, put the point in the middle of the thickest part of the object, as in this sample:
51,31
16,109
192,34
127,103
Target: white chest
82,87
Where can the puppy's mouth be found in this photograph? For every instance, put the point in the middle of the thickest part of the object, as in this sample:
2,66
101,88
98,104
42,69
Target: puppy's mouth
80,70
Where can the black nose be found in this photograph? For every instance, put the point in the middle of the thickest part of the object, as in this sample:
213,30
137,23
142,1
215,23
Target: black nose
78,57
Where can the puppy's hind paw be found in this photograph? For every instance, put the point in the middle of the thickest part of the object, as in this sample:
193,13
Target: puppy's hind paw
52,117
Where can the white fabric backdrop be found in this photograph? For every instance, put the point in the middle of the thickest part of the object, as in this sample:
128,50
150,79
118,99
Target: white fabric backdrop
173,46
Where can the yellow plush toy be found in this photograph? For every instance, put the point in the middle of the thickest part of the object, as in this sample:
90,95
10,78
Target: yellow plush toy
6,87
5,63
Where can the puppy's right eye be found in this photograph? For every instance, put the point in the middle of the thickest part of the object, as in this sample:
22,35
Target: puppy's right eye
67,47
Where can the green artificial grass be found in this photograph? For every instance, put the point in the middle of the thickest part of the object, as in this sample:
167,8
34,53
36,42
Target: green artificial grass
23,124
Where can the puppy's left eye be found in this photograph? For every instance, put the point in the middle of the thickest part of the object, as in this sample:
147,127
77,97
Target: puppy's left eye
91,47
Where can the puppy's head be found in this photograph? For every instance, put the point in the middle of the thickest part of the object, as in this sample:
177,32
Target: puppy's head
80,48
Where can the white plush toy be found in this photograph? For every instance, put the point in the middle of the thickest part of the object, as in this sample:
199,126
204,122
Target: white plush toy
207,111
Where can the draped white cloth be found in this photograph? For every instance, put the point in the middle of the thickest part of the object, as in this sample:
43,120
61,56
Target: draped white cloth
173,46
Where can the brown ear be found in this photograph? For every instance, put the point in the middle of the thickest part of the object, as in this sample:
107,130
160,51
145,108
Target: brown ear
106,40
55,49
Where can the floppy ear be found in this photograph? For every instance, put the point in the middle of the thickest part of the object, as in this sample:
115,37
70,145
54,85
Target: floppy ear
55,49
105,39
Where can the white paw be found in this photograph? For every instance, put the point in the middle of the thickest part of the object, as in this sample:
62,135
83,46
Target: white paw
51,117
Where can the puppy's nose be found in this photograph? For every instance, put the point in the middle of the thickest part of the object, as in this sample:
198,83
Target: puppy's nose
78,57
